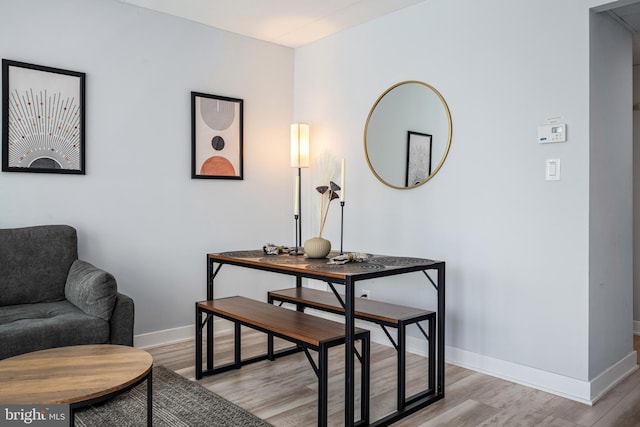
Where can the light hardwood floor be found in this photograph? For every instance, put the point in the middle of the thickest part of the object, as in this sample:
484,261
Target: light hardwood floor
284,392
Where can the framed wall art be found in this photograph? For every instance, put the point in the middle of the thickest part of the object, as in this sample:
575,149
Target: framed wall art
216,134
418,157
43,119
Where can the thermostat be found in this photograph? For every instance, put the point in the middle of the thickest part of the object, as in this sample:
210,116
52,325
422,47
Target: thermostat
556,132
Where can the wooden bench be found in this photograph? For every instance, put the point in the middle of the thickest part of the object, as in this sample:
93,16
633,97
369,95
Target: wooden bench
381,313
304,330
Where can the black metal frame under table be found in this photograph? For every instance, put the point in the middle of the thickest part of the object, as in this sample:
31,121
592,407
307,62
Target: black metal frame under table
148,378
348,275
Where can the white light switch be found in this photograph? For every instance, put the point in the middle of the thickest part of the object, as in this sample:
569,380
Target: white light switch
552,172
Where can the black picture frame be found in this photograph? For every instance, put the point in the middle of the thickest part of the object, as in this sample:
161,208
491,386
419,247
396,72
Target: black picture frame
216,137
418,157
43,119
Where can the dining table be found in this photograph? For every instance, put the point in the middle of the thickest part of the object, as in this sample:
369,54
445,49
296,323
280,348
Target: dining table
347,276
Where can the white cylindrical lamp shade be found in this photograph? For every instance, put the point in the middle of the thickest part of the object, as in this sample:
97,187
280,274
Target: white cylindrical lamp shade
299,145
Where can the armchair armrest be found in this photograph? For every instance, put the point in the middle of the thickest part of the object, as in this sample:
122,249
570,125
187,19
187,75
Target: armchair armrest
91,289
122,321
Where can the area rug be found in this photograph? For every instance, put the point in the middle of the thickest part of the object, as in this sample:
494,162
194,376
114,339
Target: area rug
177,402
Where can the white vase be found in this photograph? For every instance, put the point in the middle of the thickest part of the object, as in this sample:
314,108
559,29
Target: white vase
317,247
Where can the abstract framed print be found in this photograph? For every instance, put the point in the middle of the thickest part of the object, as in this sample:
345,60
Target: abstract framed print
216,135
43,119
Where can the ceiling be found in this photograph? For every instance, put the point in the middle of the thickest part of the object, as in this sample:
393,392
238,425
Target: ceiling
290,23
294,23
629,17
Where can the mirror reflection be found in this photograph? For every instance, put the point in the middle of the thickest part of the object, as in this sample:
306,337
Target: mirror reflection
408,134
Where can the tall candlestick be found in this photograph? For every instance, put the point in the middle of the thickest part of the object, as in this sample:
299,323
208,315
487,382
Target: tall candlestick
342,182
296,206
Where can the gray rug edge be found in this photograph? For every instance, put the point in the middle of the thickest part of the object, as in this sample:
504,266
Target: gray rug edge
177,401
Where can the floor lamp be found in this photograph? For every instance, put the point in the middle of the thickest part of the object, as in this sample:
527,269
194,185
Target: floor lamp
299,160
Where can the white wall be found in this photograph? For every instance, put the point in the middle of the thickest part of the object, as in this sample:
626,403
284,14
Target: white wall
138,213
610,202
520,251
516,246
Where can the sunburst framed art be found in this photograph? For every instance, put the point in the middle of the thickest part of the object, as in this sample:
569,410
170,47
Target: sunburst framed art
43,119
216,136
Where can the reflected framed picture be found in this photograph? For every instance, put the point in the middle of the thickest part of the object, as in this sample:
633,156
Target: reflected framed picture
418,158
216,135
43,119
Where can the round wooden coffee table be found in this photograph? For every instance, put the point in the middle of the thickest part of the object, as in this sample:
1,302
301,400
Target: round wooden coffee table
76,375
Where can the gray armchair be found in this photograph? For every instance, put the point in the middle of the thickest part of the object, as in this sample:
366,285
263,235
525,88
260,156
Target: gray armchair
50,298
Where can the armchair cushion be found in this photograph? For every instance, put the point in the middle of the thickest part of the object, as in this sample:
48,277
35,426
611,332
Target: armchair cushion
91,289
31,327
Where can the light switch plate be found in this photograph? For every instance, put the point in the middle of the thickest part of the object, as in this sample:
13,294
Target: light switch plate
552,170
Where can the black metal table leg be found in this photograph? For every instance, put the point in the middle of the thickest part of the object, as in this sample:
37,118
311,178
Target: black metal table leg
210,320
440,329
401,365
150,399
365,381
323,385
349,353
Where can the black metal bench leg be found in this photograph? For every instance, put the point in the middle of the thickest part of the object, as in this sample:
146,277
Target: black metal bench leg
323,385
402,350
237,338
198,343
270,337
432,353
270,351
209,342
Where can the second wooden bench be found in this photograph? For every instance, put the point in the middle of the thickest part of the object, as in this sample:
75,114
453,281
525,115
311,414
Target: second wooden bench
382,313
304,330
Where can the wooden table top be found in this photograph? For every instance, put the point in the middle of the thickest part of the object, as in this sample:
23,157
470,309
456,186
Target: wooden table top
374,266
67,375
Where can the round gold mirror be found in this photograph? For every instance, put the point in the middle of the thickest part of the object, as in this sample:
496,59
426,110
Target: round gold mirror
407,135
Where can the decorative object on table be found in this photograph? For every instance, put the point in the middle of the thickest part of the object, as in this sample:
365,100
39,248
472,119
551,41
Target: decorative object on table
299,160
418,158
349,257
318,247
42,119
176,401
216,137
271,249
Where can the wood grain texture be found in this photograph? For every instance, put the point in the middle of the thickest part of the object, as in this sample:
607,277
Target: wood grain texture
72,374
290,323
284,392
366,309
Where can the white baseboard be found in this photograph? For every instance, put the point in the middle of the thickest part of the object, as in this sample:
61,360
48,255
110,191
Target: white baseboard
172,336
165,337
636,327
587,392
613,376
